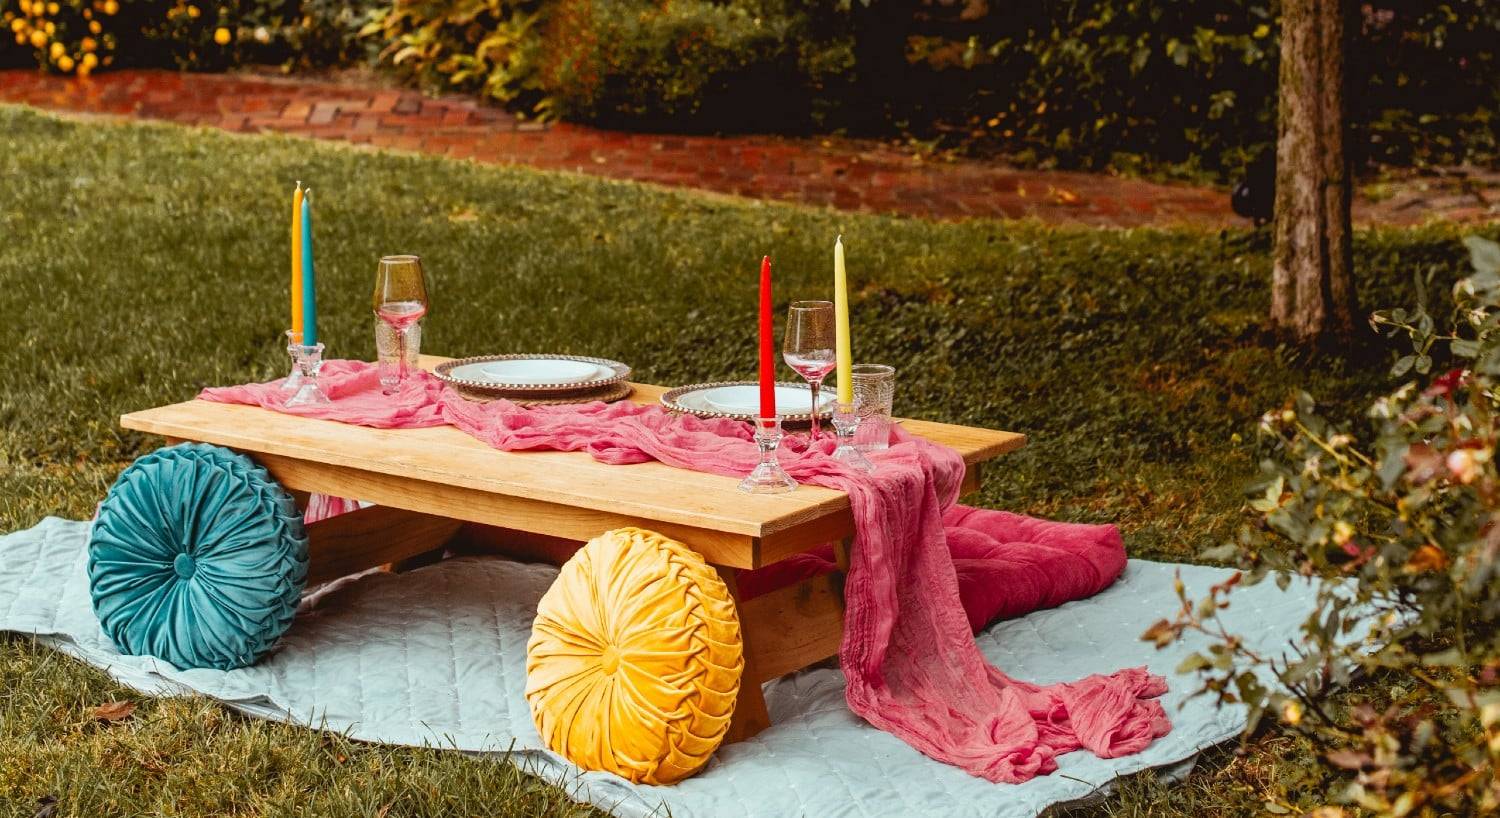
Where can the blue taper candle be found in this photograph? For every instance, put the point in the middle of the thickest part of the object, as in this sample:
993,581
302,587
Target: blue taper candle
309,279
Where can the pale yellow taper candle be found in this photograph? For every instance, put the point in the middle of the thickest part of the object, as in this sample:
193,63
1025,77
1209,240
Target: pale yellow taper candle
841,324
297,259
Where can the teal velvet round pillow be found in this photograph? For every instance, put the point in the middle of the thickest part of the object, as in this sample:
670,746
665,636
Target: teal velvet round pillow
197,557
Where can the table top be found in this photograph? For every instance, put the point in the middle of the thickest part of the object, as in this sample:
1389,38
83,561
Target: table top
444,455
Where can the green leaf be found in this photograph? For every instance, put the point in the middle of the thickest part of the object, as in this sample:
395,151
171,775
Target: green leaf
1403,365
1193,662
1484,254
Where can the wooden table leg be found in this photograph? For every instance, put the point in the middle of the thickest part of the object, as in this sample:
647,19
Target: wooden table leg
783,631
750,715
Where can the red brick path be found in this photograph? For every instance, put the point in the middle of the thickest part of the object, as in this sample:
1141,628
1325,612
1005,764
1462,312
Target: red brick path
845,175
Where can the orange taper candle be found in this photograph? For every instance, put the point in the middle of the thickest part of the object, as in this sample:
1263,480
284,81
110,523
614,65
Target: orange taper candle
297,262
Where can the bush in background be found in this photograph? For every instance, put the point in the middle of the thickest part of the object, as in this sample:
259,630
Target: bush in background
487,47
1400,532
694,63
82,36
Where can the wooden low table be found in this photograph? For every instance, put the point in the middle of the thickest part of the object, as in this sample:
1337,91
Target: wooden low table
438,489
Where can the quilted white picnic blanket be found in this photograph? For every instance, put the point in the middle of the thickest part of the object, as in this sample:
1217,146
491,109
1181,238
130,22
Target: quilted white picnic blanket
437,656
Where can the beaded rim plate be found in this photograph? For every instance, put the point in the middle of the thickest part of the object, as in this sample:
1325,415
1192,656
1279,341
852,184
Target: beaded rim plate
672,399
608,394
618,373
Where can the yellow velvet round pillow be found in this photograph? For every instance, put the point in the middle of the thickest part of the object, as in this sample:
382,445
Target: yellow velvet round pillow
634,661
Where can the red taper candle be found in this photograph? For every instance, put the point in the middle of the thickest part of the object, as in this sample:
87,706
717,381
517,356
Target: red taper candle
767,344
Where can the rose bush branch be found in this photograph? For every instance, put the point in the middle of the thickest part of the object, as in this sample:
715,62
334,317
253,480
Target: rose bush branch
1396,527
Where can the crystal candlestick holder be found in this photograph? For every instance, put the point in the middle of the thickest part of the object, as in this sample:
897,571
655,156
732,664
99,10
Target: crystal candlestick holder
309,360
768,477
294,378
845,423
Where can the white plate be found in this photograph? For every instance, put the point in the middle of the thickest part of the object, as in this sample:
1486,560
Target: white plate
745,400
531,371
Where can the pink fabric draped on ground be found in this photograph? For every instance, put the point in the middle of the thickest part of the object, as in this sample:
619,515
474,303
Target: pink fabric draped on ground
908,652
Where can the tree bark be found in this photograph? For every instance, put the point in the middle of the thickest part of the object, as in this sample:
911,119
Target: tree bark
1312,284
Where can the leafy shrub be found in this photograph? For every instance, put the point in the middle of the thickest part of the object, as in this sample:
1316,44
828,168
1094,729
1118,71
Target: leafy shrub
485,46
81,36
685,62
1402,535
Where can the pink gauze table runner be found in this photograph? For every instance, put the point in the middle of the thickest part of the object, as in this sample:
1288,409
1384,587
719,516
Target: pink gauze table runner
908,650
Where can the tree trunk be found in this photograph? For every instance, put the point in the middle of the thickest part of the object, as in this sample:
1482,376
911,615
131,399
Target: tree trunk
1312,285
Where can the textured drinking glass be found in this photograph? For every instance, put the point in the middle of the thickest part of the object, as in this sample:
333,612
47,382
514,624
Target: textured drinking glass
808,347
874,394
400,301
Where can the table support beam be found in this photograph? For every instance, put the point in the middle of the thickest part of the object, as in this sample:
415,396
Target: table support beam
374,536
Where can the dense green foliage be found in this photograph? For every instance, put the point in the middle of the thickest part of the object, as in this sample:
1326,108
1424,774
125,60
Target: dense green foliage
485,46
687,63
1132,359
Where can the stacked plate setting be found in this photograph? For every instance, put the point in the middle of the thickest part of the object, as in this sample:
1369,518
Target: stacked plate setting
740,400
536,379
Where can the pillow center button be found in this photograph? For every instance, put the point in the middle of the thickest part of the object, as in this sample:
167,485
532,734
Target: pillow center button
184,565
609,660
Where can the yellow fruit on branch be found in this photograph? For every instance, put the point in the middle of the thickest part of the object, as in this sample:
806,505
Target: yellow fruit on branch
38,39
56,51
65,64
222,36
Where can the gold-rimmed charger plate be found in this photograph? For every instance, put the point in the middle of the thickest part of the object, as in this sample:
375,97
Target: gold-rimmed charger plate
607,394
459,373
689,400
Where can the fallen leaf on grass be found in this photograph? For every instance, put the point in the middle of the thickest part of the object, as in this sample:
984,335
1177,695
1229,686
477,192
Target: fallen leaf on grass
114,711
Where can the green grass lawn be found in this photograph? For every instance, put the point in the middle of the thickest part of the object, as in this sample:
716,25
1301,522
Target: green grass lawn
139,263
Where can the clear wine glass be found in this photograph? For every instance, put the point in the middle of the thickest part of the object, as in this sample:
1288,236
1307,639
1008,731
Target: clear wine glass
808,347
400,301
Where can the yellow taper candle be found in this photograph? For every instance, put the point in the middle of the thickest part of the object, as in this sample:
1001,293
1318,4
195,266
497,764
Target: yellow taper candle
841,324
297,259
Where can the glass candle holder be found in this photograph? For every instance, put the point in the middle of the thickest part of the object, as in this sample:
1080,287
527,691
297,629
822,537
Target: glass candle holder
309,361
293,379
845,423
768,477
